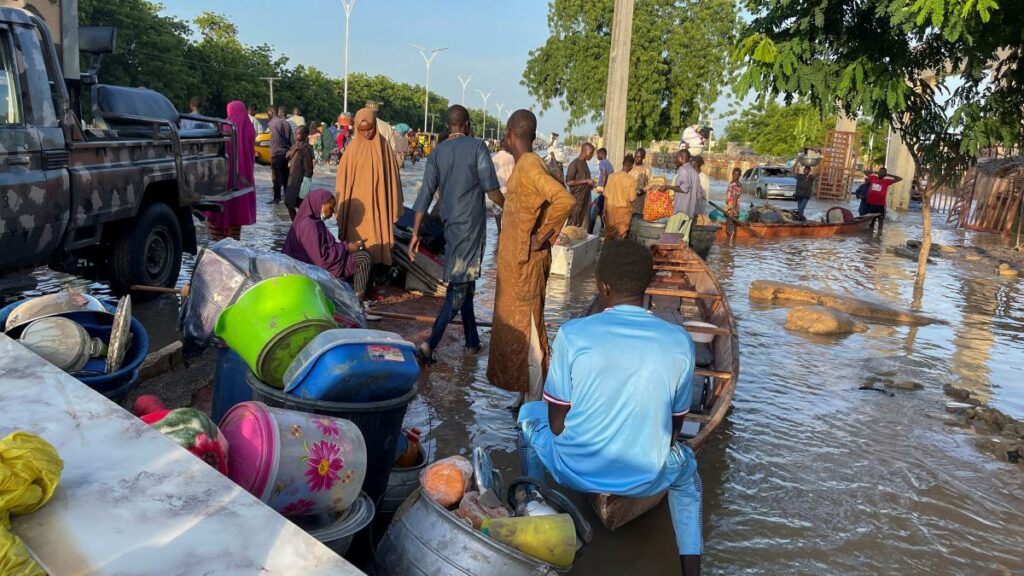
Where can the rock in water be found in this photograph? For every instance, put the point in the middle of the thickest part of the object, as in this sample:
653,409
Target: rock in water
821,320
781,292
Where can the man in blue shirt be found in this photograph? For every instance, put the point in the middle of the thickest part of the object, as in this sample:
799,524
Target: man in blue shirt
461,172
604,168
619,385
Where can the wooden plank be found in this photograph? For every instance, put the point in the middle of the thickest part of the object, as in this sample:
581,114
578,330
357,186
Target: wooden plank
712,373
706,330
681,293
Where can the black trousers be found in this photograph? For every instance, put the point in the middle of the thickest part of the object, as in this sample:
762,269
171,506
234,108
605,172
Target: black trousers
279,175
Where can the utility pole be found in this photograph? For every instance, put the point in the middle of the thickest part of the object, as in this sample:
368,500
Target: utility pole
483,130
347,5
464,84
427,61
270,81
618,80
498,117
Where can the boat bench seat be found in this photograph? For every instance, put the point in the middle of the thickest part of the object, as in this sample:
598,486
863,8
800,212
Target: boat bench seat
142,102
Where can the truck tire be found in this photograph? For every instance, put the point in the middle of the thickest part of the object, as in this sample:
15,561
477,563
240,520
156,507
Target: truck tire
148,253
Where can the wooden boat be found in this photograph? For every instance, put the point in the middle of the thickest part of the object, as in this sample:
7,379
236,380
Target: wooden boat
799,229
685,289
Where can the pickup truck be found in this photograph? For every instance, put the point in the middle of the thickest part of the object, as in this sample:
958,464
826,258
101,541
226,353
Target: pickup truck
117,192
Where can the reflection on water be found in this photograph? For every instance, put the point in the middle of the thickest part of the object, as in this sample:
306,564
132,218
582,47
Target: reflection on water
808,474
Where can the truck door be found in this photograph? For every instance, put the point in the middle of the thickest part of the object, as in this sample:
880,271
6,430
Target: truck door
34,210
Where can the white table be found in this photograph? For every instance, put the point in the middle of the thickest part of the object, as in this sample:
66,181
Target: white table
130,500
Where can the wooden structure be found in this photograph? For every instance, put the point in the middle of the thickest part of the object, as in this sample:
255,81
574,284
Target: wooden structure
799,229
685,289
990,197
838,163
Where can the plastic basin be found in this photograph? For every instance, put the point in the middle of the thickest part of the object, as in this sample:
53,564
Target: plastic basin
336,531
380,423
273,321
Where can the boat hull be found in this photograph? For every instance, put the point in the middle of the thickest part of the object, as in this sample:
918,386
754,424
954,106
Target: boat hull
799,230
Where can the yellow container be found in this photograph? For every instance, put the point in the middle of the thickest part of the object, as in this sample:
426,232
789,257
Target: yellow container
551,539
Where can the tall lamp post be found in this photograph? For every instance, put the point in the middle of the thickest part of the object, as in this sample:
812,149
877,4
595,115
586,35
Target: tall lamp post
485,97
347,5
498,118
464,84
427,61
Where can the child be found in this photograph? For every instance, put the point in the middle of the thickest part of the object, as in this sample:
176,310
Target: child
300,168
732,200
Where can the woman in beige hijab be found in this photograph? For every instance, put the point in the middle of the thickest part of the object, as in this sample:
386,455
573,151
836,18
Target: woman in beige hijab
369,190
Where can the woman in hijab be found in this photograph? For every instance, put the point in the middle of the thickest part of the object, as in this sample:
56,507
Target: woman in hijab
310,241
369,190
240,210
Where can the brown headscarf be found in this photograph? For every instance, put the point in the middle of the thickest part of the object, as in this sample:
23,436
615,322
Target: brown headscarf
369,191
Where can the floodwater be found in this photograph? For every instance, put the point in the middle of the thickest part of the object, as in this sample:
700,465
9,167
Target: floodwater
808,474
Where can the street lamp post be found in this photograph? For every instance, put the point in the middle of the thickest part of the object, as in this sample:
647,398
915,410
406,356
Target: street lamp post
270,81
483,130
498,118
347,5
464,84
427,61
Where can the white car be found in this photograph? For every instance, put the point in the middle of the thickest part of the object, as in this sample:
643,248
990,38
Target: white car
769,182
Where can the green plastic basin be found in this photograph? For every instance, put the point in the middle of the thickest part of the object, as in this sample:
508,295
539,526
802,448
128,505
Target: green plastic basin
273,321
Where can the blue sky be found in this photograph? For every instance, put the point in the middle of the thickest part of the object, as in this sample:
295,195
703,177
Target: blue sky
486,39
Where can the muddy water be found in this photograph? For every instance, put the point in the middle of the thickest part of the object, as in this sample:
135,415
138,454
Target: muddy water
808,474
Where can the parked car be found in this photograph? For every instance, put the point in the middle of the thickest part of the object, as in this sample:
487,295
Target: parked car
263,139
769,182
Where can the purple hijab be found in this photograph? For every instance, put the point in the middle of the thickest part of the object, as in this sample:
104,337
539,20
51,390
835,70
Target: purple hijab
310,241
240,210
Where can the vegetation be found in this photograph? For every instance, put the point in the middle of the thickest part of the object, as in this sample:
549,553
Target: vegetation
207,60
877,58
679,60
775,130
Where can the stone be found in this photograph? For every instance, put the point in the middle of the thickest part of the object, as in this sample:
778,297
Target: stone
821,320
956,392
781,292
990,445
947,249
1008,272
903,385
957,407
1004,266
972,257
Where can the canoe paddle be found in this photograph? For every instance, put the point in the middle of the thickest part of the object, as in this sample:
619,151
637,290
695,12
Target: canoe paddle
736,221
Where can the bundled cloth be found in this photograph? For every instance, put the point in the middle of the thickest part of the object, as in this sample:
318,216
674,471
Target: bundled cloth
189,428
30,470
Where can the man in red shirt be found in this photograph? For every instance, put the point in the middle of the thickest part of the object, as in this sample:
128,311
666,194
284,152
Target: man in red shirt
878,189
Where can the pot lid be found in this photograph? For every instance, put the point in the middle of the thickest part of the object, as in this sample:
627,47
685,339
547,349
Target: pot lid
52,305
120,335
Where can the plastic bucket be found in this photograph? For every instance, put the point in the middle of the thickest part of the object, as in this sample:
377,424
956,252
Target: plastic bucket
336,531
98,325
702,238
380,423
229,385
273,321
298,464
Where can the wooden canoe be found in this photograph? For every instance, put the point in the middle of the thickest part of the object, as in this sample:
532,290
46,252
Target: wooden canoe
685,289
799,229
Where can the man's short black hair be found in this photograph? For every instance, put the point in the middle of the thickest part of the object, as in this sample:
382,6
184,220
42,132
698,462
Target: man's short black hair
457,116
626,267
602,151
523,124
628,160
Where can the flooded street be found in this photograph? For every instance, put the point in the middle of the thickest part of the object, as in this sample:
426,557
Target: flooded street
808,474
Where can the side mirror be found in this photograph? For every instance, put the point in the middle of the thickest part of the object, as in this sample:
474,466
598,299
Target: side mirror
95,41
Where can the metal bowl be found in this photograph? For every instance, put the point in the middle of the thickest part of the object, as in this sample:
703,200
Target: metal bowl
51,305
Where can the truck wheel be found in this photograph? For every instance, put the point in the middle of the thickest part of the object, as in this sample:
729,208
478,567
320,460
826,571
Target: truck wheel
150,252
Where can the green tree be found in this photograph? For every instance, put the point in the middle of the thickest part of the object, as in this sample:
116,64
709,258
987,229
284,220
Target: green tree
776,130
876,58
678,61
226,69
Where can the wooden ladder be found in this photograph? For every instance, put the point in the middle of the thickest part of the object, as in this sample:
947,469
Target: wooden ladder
963,197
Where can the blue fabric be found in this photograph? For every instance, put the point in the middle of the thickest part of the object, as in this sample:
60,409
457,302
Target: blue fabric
801,203
457,300
624,372
596,210
605,169
537,446
461,172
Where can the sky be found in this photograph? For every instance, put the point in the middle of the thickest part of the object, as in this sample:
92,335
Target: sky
489,40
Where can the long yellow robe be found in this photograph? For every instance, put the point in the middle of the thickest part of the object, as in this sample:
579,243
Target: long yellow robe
619,194
536,203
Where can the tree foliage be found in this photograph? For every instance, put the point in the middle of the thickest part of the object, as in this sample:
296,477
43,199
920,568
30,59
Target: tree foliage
208,60
679,59
877,58
775,130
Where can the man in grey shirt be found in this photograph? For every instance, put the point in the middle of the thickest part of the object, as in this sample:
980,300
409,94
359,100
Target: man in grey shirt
689,195
280,142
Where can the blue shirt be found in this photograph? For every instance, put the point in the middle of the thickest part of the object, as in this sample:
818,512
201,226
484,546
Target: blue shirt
605,170
461,172
625,373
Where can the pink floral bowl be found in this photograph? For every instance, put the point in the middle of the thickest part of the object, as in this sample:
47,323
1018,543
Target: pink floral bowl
297,463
